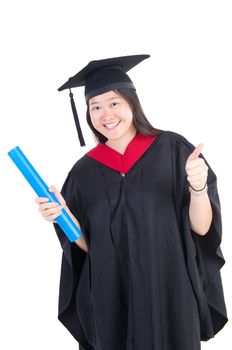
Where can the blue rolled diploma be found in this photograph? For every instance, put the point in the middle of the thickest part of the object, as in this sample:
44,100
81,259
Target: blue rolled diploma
39,186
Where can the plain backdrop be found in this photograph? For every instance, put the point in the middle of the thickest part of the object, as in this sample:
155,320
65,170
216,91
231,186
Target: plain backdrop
185,87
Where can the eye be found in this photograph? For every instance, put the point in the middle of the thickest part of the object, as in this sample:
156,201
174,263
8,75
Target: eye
95,108
114,104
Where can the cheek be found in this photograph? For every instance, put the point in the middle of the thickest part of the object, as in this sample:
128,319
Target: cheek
128,115
96,123
94,120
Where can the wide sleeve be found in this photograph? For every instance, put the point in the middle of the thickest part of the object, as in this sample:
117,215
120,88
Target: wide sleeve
74,292
203,254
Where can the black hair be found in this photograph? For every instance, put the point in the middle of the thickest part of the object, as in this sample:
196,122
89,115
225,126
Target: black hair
140,121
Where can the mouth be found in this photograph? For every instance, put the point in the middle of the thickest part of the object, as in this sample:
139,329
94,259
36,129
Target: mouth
110,126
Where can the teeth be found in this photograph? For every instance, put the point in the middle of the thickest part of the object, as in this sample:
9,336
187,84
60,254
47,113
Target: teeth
111,125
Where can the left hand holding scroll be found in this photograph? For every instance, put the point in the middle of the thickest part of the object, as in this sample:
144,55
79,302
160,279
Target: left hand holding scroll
196,169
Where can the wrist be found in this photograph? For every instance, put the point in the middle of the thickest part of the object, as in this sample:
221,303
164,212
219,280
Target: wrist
197,189
199,192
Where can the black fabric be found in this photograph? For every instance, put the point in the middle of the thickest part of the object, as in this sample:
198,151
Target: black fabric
109,87
76,119
101,73
148,281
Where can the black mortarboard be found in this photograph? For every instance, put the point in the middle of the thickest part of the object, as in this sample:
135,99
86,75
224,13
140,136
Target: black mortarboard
101,76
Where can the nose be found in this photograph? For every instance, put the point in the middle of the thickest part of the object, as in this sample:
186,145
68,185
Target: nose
107,113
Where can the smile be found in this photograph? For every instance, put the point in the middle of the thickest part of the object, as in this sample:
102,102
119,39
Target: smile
111,125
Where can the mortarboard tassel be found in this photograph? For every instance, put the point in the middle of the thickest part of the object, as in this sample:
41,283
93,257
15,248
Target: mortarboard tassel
80,136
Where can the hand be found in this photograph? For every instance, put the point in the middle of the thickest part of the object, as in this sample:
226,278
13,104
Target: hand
196,169
51,210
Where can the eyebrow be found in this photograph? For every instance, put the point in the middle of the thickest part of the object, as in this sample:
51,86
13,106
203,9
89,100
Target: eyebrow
109,99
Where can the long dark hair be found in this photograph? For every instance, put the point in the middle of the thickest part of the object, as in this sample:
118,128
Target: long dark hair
140,121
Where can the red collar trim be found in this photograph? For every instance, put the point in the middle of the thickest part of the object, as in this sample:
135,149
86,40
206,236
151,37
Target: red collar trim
122,162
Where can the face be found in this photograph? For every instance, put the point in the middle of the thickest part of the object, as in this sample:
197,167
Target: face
111,115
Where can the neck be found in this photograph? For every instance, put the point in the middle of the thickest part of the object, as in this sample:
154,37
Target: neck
121,144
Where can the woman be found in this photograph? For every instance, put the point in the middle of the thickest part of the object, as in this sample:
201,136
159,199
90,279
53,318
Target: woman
146,272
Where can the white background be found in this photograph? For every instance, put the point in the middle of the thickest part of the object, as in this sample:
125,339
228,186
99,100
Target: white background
185,86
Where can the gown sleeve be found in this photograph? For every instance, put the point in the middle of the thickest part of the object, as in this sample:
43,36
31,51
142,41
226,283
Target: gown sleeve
203,254
74,310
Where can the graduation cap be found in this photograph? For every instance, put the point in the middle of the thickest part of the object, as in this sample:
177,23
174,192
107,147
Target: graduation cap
100,76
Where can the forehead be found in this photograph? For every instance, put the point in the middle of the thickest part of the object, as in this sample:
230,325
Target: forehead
104,97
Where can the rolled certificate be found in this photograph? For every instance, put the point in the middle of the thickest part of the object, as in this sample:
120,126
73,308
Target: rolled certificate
39,186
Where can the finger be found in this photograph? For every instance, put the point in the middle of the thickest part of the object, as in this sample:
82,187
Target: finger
48,205
40,200
52,211
202,173
195,163
58,195
196,178
197,151
197,169
52,217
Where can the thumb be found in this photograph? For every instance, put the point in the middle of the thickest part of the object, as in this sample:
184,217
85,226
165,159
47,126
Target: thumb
197,151
58,195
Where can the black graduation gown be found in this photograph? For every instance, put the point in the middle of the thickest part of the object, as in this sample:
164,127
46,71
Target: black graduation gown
148,281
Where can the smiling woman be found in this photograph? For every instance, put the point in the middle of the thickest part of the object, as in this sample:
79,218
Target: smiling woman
146,274
112,117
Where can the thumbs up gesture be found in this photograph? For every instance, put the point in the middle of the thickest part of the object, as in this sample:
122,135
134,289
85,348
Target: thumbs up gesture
196,169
